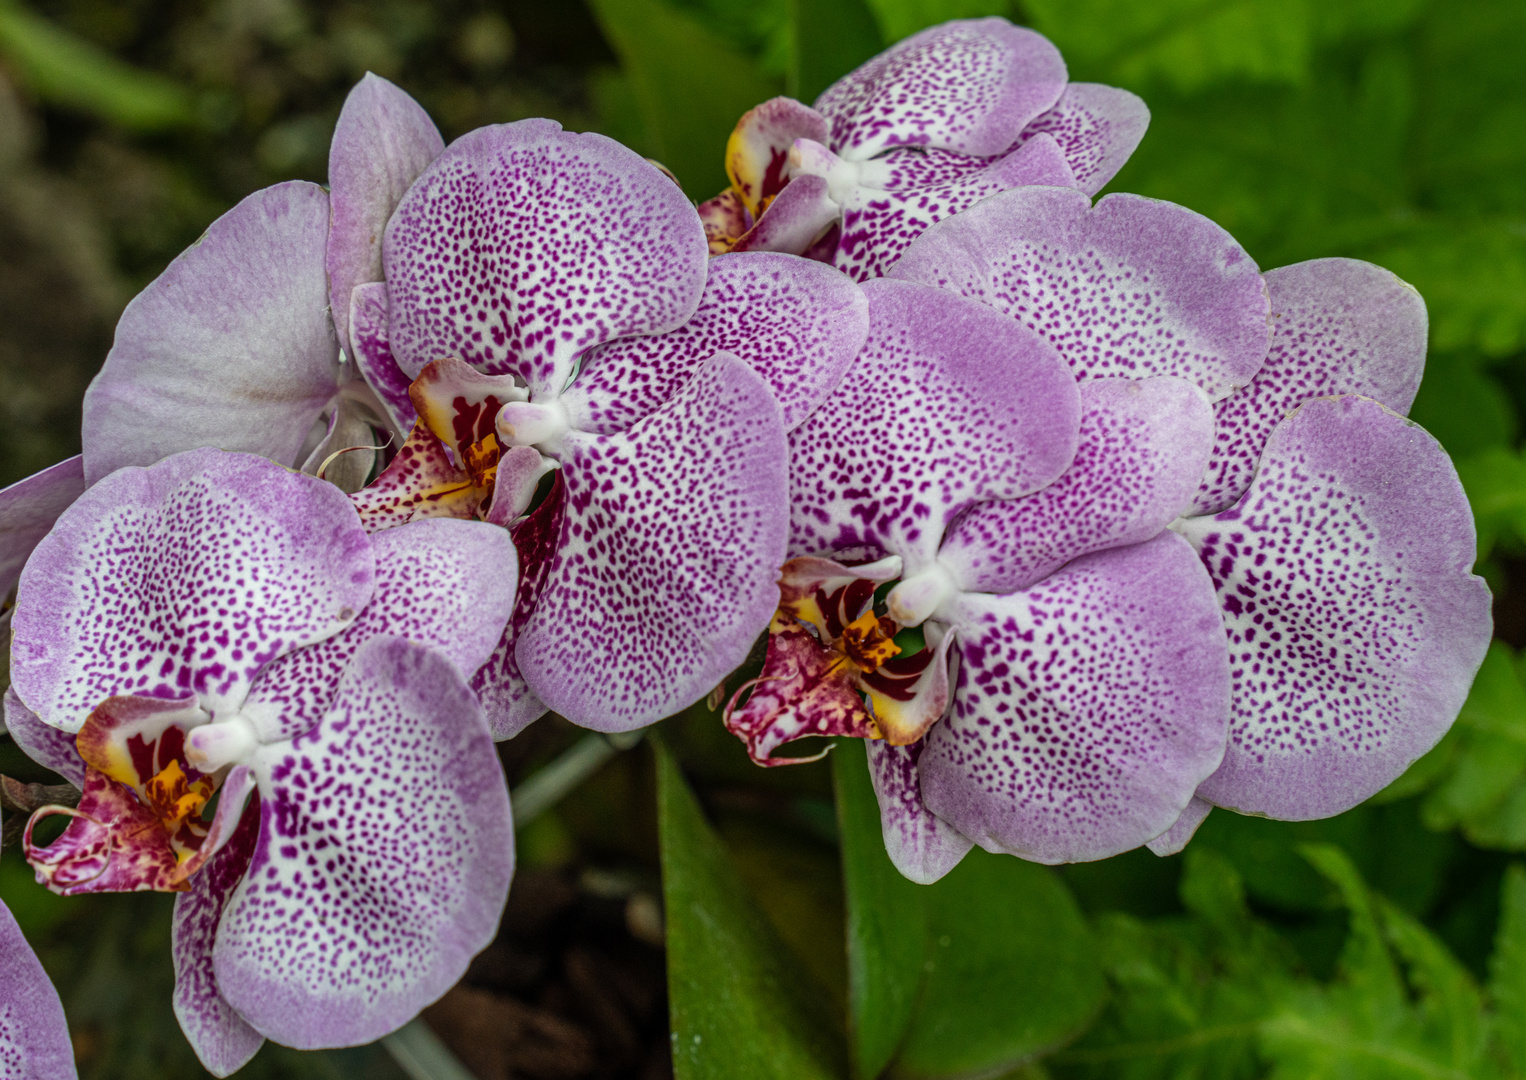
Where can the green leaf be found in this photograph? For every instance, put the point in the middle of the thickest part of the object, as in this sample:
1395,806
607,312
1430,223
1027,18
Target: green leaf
1507,969
830,39
690,85
902,18
1463,405
738,1004
1496,485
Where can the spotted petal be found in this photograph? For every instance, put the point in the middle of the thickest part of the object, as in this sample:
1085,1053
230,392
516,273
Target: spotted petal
757,154
43,743
1143,444
34,1037
969,85
371,350
922,845
187,576
799,324
1354,625
1339,326
524,245
231,346
1098,128
670,548
28,509
1131,286
383,861
949,403
1174,839
1087,709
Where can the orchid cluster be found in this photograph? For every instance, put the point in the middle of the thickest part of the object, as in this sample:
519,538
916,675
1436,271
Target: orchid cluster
1084,522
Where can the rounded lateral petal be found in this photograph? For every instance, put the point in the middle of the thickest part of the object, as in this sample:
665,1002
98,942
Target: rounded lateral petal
440,582
1143,444
798,323
968,85
949,403
1174,839
1355,626
372,353
28,509
34,1036
231,346
1087,710
794,220
1131,286
922,845
1098,128
878,226
383,861
757,154
1339,326
43,743
188,576
666,567
524,245
383,140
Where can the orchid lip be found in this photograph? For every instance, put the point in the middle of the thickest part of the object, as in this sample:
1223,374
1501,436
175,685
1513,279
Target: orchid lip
224,742
916,599
533,423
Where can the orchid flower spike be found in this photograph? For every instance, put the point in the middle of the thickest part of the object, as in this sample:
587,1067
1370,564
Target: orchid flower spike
34,1037
216,624
929,127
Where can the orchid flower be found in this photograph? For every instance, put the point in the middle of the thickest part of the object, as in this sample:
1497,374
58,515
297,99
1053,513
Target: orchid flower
550,295
929,127
216,624
34,1037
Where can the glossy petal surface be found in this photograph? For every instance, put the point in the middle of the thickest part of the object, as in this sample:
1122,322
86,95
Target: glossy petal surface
34,1038
922,845
28,509
1097,127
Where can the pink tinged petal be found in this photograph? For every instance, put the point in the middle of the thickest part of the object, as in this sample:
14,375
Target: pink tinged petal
757,154
670,547
523,245
725,219
519,473
878,226
383,861
420,482
231,346
1097,127
922,845
185,577
1132,286
1339,326
1088,708
442,583
372,353
794,220
1355,627
799,324
383,140
1143,445
34,1037
113,843
43,743
948,404
1174,839
911,693
460,404
969,85
28,509
223,1040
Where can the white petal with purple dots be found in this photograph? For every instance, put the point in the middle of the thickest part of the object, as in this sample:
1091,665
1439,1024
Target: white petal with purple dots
34,1037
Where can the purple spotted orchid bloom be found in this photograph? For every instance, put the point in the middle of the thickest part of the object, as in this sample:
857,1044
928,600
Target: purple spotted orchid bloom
218,624
929,127
551,295
34,1037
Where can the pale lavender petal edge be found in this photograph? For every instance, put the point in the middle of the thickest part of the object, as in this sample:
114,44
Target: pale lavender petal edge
28,509
922,845
33,1031
43,743
1174,839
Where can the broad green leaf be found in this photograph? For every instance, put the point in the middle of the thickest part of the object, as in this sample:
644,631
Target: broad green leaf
691,86
1507,969
830,38
739,1004
1496,485
1463,405
902,18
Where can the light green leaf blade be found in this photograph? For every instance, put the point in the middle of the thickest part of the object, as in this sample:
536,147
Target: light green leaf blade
902,18
1507,969
830,38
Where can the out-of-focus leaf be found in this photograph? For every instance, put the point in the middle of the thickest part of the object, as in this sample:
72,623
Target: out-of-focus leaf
691,86
738,1003
1507,970
902,18
1463,405
831,38
1496,485
67,70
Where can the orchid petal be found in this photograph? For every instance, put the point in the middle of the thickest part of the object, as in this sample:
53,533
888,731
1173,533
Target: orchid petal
113,843
231,346
523,245
1354,624
969,85
420,482
28,510
383,140
922,845
1143,446
372,353
671,542
187,576
794,220
725,220
757,154
799,324
34,1036
949,403
1339,326
1174,839
1087,710
1098,128
383,861
905,708
43,743
1131,286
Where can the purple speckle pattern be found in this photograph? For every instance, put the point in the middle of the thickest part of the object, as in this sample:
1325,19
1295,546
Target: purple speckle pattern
383,860
28,510
922,845
439,582
969,85
43,743
1087,708
1143,445
34,1037
799,324
1174,839
188,576
371,351
1131,287
1354,624
667,564
1097,127
524,245
1339,326
949,403
231,346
